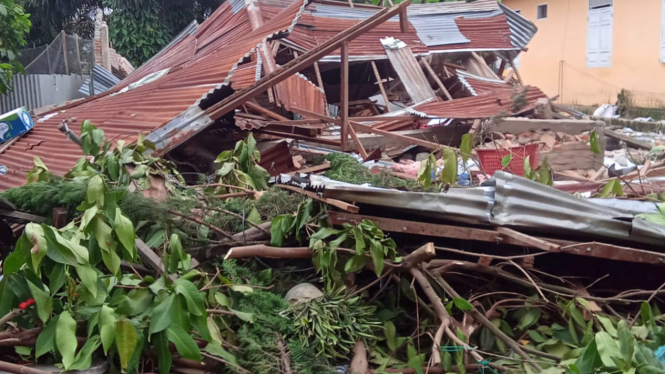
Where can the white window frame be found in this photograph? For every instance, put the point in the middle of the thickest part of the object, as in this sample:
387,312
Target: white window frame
547,11
603,56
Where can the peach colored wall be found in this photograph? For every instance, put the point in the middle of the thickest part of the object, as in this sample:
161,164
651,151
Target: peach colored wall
559,46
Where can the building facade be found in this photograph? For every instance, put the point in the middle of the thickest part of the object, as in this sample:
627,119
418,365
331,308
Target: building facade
587,51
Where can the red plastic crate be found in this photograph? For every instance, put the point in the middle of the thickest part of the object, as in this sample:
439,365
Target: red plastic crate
490,159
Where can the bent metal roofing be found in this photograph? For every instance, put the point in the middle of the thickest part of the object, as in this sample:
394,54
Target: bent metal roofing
199,64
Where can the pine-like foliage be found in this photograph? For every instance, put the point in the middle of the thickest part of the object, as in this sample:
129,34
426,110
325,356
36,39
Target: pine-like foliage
345,168
40,198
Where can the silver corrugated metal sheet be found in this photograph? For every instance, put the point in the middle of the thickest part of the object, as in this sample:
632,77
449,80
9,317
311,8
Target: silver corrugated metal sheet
408,70
448,7
521,31
515,202
37,90
436,30
465,205
523,203
25,93
103,80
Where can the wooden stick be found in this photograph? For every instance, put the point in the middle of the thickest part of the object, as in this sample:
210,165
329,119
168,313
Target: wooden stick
517,73
344,107
269,252
359,363
235,194
529,240
359,145
379,81
312,169
222,185
404,139
422,254
20,369
239,217
337,203
200,222
436,78
486,322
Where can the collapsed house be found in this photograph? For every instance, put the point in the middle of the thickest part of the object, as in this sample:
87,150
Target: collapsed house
359,114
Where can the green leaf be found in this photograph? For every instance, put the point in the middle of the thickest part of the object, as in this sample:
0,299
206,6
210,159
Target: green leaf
391,335
96,190
607,348
161,345
125,230
376,250
355,263
608,325
161,315
529,319
626,342
107,327
647,315
222,299
194,299
449,173
83,359
247,317
65,338
35,234
217,350
505,161
466,146
254,216
462,304
184,343
242,289
528,172
43,301
102,232
125,341
535,336
46,339
277,231
39,163
589,359
447,362
88,277
111,261
595,145
425,172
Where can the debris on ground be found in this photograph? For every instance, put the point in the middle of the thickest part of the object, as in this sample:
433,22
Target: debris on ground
326,187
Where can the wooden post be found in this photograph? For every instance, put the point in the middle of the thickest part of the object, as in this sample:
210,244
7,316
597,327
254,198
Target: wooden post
436,78
344,100
380,83
59,217
78,55
403,21
64,51
517,73
502,67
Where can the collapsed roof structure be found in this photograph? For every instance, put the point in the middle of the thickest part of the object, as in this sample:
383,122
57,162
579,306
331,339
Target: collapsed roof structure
182,90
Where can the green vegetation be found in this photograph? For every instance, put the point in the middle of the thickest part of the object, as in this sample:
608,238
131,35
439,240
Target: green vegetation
345,168
15,23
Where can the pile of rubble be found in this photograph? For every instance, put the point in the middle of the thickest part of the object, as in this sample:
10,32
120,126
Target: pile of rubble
315,186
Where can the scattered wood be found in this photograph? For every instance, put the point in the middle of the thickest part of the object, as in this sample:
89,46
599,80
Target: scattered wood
337,203
312,169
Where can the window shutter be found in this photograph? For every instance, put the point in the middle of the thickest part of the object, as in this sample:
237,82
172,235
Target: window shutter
593,39
599,37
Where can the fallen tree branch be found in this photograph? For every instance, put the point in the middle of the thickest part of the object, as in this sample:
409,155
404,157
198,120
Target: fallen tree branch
239,217
486,322
9,316
436,346
206,224
269,252
19,369
420,255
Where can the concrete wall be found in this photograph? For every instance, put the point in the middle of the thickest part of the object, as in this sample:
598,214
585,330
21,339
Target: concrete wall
37,90
556,59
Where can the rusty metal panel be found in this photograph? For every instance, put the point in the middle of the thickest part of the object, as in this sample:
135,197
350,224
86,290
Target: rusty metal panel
277,159
480,85
481,106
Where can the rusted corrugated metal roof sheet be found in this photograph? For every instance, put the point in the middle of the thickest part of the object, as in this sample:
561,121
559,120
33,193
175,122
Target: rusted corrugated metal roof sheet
199,64
491,33
298,92
503,102
480,85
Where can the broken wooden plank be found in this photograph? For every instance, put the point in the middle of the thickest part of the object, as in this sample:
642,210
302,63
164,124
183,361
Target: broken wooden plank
313,169
528,240
344,91
336,203
379,81
517,72
20,217
401,138
436,78
629,140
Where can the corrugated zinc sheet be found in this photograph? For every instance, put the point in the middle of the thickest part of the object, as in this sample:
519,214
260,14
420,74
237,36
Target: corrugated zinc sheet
450,7
481,106
102,80
480,85
521,31
298,92
490,33
409,71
